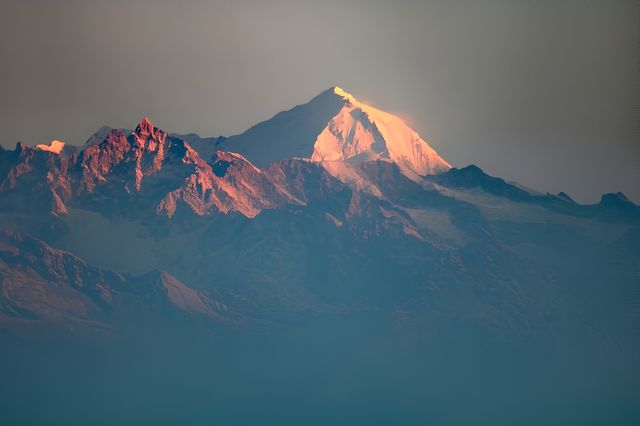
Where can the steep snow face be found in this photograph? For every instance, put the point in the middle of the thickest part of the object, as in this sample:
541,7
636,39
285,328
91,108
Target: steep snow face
335,126
55,146
288,134
360,132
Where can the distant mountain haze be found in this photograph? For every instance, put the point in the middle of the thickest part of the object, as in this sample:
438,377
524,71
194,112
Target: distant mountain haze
144,200
328,246
199,226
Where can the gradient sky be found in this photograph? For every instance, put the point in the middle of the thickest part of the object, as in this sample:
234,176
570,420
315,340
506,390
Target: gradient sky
544,93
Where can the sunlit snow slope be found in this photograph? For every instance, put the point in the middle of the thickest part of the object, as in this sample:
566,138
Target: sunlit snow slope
336,126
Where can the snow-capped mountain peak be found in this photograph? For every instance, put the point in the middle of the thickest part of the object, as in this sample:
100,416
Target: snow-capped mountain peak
336,126
360,132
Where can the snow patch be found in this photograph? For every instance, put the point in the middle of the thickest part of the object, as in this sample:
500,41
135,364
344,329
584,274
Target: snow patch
351,176
55,146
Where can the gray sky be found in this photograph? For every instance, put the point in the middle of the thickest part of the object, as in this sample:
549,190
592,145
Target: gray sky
545,93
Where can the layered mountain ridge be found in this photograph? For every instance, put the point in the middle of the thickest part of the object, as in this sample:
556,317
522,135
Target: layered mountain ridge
148,162
46,287
330,208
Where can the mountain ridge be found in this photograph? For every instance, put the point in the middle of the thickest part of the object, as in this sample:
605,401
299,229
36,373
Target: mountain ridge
214,235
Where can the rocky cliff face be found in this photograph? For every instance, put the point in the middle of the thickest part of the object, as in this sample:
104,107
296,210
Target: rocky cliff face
145,164
34,180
